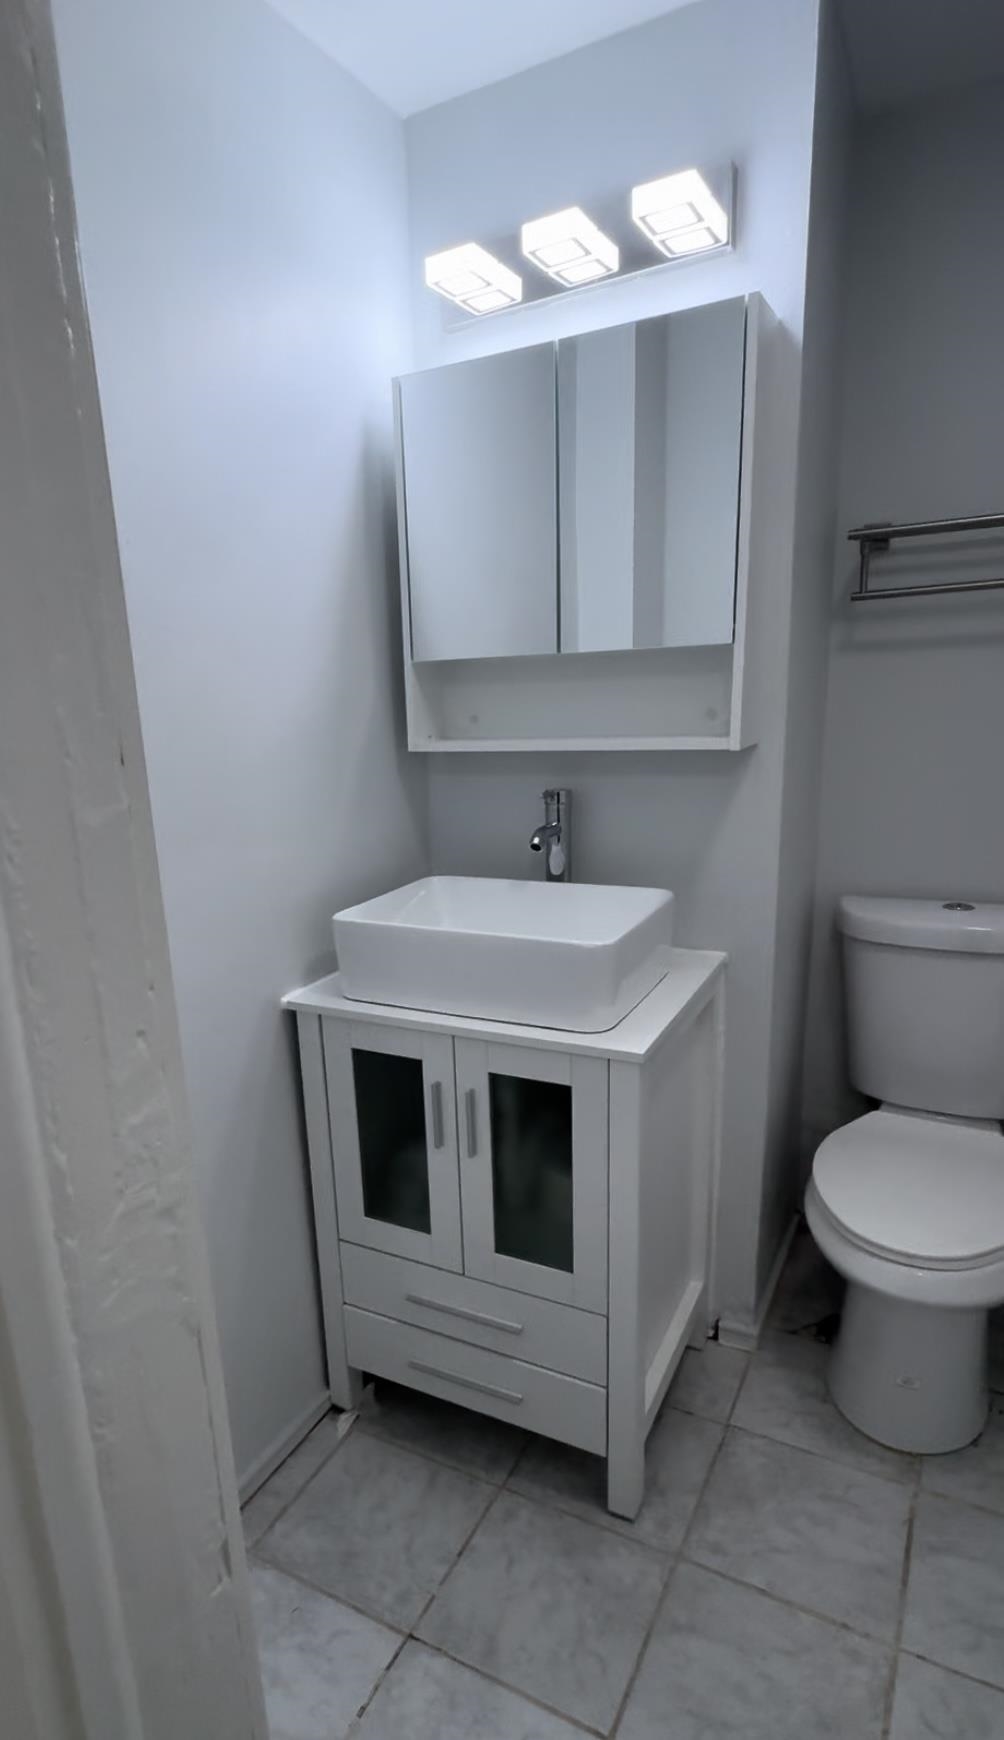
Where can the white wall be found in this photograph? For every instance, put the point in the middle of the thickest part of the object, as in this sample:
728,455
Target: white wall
815,536
242,215
123,1586
911,799
706,84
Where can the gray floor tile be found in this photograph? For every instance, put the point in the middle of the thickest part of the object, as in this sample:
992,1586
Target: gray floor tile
810,1293
319,1660
725,1660
379,1527
291,1476
933,1704
785,1397
428,1697
708,1380
955,1596
678,1455
551,1606
975,1475
816,1532
478,1445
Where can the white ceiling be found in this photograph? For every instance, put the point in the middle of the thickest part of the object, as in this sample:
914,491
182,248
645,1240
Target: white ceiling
903,49
414,53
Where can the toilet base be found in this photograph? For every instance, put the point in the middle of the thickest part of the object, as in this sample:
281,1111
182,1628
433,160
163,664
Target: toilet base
911,1376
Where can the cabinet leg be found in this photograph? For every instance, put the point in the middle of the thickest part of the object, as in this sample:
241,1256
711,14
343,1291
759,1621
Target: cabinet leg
626,1471
346,1387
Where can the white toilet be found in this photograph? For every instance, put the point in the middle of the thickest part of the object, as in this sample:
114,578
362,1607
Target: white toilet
908,1201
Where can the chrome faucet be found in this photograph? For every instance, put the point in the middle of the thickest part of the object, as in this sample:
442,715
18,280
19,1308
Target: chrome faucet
553,835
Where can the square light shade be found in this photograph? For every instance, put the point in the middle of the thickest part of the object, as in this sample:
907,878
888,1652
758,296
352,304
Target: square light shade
569,247
472,278
680,214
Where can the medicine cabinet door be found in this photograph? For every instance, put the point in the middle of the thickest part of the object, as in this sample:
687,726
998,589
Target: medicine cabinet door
649,432
479,469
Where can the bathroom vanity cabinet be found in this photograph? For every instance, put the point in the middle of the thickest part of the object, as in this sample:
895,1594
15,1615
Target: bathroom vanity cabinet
514,1218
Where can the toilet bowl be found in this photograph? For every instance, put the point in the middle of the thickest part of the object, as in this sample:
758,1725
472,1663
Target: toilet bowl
907,1202
910,1209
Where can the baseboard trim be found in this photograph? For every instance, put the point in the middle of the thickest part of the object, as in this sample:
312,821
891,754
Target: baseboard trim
745,1332
266,1464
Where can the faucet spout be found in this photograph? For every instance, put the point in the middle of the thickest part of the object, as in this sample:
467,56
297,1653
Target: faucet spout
551,837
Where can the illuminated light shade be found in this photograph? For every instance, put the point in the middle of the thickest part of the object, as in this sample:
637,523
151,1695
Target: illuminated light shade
569,248
680,214
472,278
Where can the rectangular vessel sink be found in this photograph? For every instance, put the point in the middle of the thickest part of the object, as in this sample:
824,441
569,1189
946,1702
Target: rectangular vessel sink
551,954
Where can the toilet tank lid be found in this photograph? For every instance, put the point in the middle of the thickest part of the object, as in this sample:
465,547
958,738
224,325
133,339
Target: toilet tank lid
966,927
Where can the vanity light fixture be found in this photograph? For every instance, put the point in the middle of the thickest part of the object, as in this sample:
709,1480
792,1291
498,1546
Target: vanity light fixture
472,278
680,214
570,248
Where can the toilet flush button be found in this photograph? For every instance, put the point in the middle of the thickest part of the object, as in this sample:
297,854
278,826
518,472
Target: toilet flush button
957,906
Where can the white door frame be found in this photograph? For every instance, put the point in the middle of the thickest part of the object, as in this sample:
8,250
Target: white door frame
56,1568
124,1603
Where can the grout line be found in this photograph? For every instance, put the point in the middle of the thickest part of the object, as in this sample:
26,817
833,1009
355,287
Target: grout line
458,1555
673,1566
329,1594
369,1431
965,1503
555,1507
574,1722
342,1439
353,1727
785,1601
743,1381
954,1672
827,1456
904,1581
392,1444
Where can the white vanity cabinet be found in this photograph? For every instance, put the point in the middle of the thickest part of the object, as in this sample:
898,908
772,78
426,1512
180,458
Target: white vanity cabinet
518,1219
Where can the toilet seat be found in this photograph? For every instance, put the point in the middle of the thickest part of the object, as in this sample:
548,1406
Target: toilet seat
922,1192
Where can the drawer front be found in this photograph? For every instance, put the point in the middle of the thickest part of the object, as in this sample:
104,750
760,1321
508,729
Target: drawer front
508,1389
514,1324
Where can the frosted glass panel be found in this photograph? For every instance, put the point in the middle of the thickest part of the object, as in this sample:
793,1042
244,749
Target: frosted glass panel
531,1127
393,1154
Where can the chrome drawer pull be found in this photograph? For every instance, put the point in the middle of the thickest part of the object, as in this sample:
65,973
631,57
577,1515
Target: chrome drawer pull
467,1383
468,1316
437,1114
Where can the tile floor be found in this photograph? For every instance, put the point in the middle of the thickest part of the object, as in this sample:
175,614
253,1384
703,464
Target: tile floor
431,1575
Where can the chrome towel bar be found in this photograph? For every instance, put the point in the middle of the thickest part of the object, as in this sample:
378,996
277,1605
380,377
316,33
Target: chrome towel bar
876,539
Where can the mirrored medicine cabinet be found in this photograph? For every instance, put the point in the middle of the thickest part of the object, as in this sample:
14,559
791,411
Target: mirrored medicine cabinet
575,524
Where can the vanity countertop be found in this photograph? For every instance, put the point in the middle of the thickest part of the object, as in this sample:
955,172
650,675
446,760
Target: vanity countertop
678,997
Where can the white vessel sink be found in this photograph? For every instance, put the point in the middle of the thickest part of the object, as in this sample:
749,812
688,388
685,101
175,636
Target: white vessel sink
552,954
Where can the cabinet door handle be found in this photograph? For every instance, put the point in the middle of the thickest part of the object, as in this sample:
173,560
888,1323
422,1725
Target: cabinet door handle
471,1109
436,1096
463,1383
467,1315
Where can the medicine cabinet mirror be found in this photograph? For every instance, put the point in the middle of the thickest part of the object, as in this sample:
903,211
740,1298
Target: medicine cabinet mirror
577,497
579,521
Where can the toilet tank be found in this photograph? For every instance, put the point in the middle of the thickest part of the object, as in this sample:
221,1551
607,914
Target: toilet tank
925,1003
